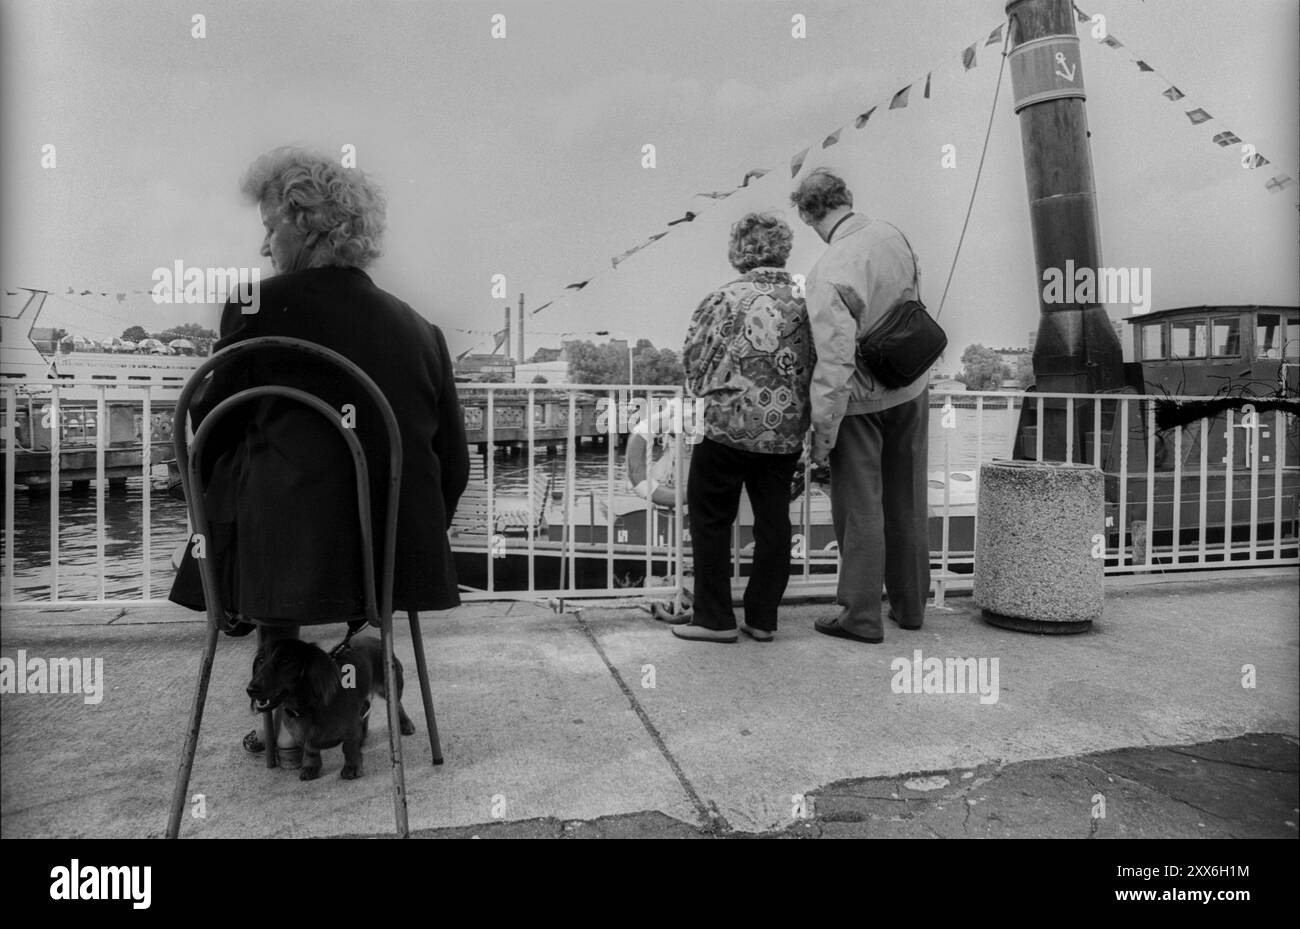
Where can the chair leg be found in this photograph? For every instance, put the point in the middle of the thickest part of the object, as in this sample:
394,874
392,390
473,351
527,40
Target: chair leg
394,727
180,792
270,718
422,668
270,732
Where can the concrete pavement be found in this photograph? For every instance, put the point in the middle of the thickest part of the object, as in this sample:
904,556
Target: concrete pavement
603,723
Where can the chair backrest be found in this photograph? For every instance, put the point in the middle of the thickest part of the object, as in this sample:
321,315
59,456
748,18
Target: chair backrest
189,458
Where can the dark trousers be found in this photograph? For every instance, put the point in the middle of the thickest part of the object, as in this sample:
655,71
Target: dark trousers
717,474
879,507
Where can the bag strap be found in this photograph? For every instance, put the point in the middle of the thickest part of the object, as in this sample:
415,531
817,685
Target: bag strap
916,267
916,283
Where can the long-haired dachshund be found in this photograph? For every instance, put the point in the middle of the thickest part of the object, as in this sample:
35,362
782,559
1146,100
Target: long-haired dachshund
326,700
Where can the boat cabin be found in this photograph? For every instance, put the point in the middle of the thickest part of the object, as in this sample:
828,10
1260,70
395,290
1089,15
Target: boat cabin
1212,350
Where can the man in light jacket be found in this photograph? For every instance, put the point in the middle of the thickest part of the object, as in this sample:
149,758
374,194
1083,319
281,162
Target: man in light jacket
875,438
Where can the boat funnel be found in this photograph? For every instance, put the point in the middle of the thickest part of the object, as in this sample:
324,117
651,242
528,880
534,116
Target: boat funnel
1076,350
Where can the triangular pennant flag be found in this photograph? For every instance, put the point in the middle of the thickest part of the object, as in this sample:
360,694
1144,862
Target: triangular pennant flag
1083,17
900,99
1224,139
968,57
542,307
1260,161
86,293
1143,66
1279,183
927,87
1173,93
121,297
752,174
498,338
582,284
1198,116
797,162
716,194
862,120
462,355
636,248
1112,42
832,138
685,219
71,291
995,36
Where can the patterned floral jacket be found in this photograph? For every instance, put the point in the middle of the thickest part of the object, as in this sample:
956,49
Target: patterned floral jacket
749,354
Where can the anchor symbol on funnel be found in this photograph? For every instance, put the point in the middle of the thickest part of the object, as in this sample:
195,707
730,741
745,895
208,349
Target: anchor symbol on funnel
1065,71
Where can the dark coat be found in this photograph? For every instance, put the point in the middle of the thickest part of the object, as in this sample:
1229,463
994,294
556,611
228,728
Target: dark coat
281,493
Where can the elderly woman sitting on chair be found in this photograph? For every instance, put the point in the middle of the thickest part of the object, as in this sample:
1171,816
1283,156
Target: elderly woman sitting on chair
280,487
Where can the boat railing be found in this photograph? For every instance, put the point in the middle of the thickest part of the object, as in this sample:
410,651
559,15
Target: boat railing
550,521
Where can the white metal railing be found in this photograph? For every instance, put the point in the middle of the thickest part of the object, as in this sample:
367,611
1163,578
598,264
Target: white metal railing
581,559
1170,504
81,419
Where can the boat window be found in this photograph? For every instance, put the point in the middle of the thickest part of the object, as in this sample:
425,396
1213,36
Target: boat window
1153,341
1187,338
1270,336
1226,339
1292,347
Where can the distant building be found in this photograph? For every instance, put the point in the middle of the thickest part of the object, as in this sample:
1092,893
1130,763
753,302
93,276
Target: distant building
1033,338
485,367
543,355
1010,356
549,363
555,372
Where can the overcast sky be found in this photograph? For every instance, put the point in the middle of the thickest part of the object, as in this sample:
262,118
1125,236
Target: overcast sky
523,155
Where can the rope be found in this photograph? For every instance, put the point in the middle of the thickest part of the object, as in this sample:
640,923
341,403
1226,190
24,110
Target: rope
978,171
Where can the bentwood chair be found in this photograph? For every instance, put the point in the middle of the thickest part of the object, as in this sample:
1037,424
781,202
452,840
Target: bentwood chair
378,598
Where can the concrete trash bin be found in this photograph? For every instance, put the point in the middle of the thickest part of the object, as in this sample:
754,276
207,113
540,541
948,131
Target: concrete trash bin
1036,564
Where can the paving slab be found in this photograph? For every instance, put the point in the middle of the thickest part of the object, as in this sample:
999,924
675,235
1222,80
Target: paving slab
531,723
756,726
600,723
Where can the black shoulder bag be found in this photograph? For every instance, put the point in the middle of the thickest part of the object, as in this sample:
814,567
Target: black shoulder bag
906,342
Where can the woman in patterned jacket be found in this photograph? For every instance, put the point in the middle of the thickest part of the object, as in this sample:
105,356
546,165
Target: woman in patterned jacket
749,356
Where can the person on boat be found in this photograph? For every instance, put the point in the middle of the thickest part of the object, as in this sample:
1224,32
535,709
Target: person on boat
874,438
280,486
665,419
748,356
666,423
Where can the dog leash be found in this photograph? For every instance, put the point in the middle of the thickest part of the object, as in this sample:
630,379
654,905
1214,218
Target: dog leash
344,644
334,652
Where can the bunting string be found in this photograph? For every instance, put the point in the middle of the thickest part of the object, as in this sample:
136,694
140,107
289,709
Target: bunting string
1196,115
968,58
897,101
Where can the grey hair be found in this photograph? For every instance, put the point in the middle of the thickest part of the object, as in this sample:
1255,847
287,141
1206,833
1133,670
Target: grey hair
318,195
760,240
820,192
